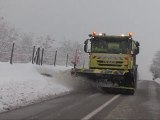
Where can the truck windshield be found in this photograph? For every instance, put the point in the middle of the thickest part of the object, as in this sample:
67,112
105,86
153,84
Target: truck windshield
110,46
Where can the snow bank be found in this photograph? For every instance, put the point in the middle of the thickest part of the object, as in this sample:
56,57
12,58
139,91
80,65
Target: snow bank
24,84
157,80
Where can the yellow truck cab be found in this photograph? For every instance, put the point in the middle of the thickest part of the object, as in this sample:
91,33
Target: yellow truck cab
112,60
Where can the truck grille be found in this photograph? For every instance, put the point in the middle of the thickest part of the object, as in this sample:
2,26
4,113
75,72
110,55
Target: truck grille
110,63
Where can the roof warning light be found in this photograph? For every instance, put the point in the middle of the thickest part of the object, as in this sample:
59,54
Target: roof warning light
130,34
94,34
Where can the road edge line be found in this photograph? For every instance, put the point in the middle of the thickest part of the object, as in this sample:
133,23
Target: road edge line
90,115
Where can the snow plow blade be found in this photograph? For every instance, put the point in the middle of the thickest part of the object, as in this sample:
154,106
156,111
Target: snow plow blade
112,81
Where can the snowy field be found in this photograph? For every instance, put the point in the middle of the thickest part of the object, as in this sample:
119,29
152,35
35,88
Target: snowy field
24,84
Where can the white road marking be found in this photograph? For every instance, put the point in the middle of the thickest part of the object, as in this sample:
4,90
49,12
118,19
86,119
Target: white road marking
90,115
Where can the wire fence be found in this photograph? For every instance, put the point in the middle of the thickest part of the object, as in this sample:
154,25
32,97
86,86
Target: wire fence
5,51
22,53
15,53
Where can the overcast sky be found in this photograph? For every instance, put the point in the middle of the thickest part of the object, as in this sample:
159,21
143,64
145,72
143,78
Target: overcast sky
75,19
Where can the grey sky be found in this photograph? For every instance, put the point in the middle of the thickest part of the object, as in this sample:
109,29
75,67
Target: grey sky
75,19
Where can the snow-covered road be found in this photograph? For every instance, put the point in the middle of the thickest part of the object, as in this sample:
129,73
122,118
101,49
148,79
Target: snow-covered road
23,84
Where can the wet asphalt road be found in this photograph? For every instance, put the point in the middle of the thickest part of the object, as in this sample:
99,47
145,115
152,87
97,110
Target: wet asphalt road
89,104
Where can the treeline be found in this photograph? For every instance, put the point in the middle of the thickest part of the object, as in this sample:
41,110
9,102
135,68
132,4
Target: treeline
24,43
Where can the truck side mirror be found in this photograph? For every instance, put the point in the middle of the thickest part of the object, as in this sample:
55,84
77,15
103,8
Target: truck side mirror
87,46
137,44
137,47
137,50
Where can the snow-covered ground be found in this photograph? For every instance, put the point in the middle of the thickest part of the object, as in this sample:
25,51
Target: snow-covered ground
24,84
157,80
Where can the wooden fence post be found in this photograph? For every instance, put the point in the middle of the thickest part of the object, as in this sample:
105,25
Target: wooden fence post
55,58
67,60
38,56
11,60
42,56
75,58
33,54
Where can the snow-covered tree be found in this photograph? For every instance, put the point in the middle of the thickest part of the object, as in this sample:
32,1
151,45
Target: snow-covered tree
47,42
24,43
24,47
69,47
155,67
7,33
7,36
27,39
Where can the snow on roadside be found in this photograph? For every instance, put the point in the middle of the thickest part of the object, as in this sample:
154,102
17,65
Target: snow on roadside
23,84
157,80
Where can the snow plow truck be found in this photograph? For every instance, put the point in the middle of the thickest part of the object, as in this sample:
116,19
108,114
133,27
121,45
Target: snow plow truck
112,62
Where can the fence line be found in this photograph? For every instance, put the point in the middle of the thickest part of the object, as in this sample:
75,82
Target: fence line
6,42
22,46
15,44
24,54
4,52
15,53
